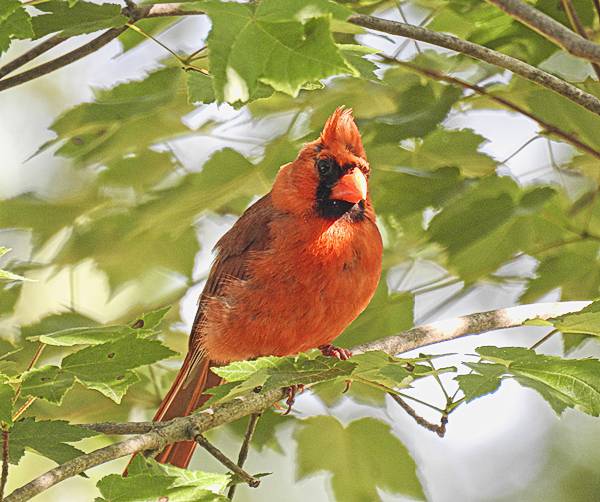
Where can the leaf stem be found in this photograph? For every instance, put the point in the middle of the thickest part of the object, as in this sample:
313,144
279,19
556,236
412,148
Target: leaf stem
546,337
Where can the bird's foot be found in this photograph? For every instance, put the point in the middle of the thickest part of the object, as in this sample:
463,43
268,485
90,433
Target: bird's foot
292,390
333,351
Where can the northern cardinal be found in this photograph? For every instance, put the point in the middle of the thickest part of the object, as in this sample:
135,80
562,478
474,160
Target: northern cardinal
297,268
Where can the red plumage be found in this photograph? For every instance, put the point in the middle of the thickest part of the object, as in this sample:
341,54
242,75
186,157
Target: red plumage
297,268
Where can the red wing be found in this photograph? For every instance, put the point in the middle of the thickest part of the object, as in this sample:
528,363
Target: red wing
249,233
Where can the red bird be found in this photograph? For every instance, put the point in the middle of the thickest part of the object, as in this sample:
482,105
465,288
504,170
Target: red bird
297,268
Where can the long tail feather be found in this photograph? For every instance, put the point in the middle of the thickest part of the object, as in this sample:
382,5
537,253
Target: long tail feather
184,396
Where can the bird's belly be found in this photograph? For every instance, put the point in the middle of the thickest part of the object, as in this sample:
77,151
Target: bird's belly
290,308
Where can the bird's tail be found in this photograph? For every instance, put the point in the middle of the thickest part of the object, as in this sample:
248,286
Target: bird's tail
185,395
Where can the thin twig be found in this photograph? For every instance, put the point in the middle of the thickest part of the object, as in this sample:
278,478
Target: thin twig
546,337
144,12
35,358
546,126
243,455
4,475
577,25
185,428
230,464
540,77
440,429
31,54
549,28
597,5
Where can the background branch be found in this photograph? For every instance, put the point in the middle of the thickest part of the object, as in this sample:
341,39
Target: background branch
549,128
579,96
577,25
549,28
148,11
186,428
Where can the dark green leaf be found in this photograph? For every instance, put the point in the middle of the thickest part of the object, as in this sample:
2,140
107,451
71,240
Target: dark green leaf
268,43
15,23
486,380
48,382
47,437
83,17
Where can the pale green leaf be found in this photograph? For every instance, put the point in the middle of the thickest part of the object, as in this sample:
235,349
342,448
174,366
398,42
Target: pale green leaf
363,458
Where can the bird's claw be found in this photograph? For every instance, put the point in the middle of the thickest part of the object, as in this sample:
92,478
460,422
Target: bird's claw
292,390
337,352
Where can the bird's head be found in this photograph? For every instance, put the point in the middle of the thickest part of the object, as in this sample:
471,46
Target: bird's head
329,176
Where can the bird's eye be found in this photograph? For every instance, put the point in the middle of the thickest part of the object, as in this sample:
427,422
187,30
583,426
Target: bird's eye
325,166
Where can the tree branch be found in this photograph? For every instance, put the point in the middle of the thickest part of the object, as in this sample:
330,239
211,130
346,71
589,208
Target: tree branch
144,12
440,429
549,28
226,461
579,96
186,428
31,54
4,473
577,25
549,128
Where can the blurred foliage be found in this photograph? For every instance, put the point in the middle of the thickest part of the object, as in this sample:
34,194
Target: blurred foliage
132,208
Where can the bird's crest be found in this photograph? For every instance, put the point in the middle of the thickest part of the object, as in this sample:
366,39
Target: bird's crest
340,132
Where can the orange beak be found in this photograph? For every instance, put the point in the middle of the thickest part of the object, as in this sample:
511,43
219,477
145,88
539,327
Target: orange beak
351,187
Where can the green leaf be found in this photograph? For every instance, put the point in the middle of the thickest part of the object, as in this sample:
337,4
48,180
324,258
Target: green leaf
272,42
363,457
82,17
46,437
7,395
562,269
404,193
48,382
200,87
586,321
15,23
94,335
562,382
486,380
148,480
106,367
448,148
277,372
489,223
421,107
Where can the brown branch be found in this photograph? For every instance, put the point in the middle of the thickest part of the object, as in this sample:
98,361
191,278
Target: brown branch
122,429
4,475
597,5
64,60
31,54
144,12
440,429
186,428
540,77
230,464
549,28
577,25
549,128
243,455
